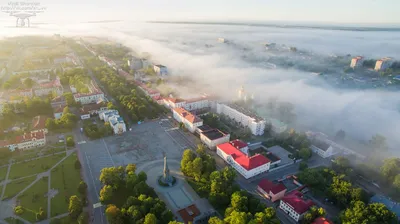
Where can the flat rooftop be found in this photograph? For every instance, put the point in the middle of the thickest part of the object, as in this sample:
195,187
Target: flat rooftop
213,134
246,111
204,128
272,157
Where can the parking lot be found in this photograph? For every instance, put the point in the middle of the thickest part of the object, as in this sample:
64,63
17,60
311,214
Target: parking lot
281,153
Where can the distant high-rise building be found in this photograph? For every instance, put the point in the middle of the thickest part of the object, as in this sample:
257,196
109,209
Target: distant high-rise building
241,93
383,64
356,62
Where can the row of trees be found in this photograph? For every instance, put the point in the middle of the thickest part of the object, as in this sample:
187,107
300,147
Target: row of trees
129,199
129,96
76,77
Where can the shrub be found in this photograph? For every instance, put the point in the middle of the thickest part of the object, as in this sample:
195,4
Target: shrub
19,210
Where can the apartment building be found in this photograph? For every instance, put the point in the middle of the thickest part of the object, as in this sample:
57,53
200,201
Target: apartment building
190,121
214,137
243,116
295,205
356,62
271,190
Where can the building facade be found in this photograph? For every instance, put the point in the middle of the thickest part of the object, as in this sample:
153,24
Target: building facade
294,205
244,117
160,70
270,190
30,140
247,166
383,64
213,138
135,63
356,62
190,121
117,123
88,98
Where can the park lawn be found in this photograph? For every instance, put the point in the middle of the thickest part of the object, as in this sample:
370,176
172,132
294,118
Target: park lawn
12,220
3,173
16,186
34,166
64,220
34,198
64,178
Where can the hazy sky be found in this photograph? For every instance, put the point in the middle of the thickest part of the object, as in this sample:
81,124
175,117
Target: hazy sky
336,11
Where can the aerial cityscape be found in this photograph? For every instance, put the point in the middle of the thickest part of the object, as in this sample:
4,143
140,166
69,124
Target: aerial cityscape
229,119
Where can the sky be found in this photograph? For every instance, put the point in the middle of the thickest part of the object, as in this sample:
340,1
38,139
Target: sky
315,11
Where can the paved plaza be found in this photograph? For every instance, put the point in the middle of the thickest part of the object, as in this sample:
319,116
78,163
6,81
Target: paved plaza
143,146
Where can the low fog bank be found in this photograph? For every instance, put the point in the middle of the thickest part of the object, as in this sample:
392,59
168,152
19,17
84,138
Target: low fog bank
192,51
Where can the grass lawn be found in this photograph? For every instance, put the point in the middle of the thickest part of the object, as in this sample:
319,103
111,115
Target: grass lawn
64,178
34,166
63,220
3,172
16,186
34,198
12,220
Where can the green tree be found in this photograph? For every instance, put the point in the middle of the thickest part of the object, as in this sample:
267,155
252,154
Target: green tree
142,176
396,182
150,219
69,98
106,193
51,124
390,168
70,141
130,168
239,202
114,215
111,106
112,176
75,207
303,165
305,153
29,83
358,212
237,218
188,156
66,110
82,188
197,167
378,143
215,220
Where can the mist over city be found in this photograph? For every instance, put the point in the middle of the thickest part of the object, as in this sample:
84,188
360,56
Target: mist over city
218,112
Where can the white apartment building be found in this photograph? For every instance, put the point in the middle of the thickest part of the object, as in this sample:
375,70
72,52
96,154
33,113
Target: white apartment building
190,104
213,138
323,149
294,205
233,153
277,126
383,64
118,124
105,115
356,62
160,69
190,121
87,98
245,117
135,63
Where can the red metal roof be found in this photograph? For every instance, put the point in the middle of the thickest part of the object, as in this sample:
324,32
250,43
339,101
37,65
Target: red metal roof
238,144
242,159
29,137
189,213
295,200
322,220
268,186
39,122
59,109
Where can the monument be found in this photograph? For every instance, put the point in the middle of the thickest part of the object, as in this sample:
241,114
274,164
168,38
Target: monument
166,179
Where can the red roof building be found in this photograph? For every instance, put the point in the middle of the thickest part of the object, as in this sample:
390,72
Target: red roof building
190,121
248,166
270,190
39,124
295,205
322,220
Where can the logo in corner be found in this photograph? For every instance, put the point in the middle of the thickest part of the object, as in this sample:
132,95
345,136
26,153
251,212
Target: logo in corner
23,11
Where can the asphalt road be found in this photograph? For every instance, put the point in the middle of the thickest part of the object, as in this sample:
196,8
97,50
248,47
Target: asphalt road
97,214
